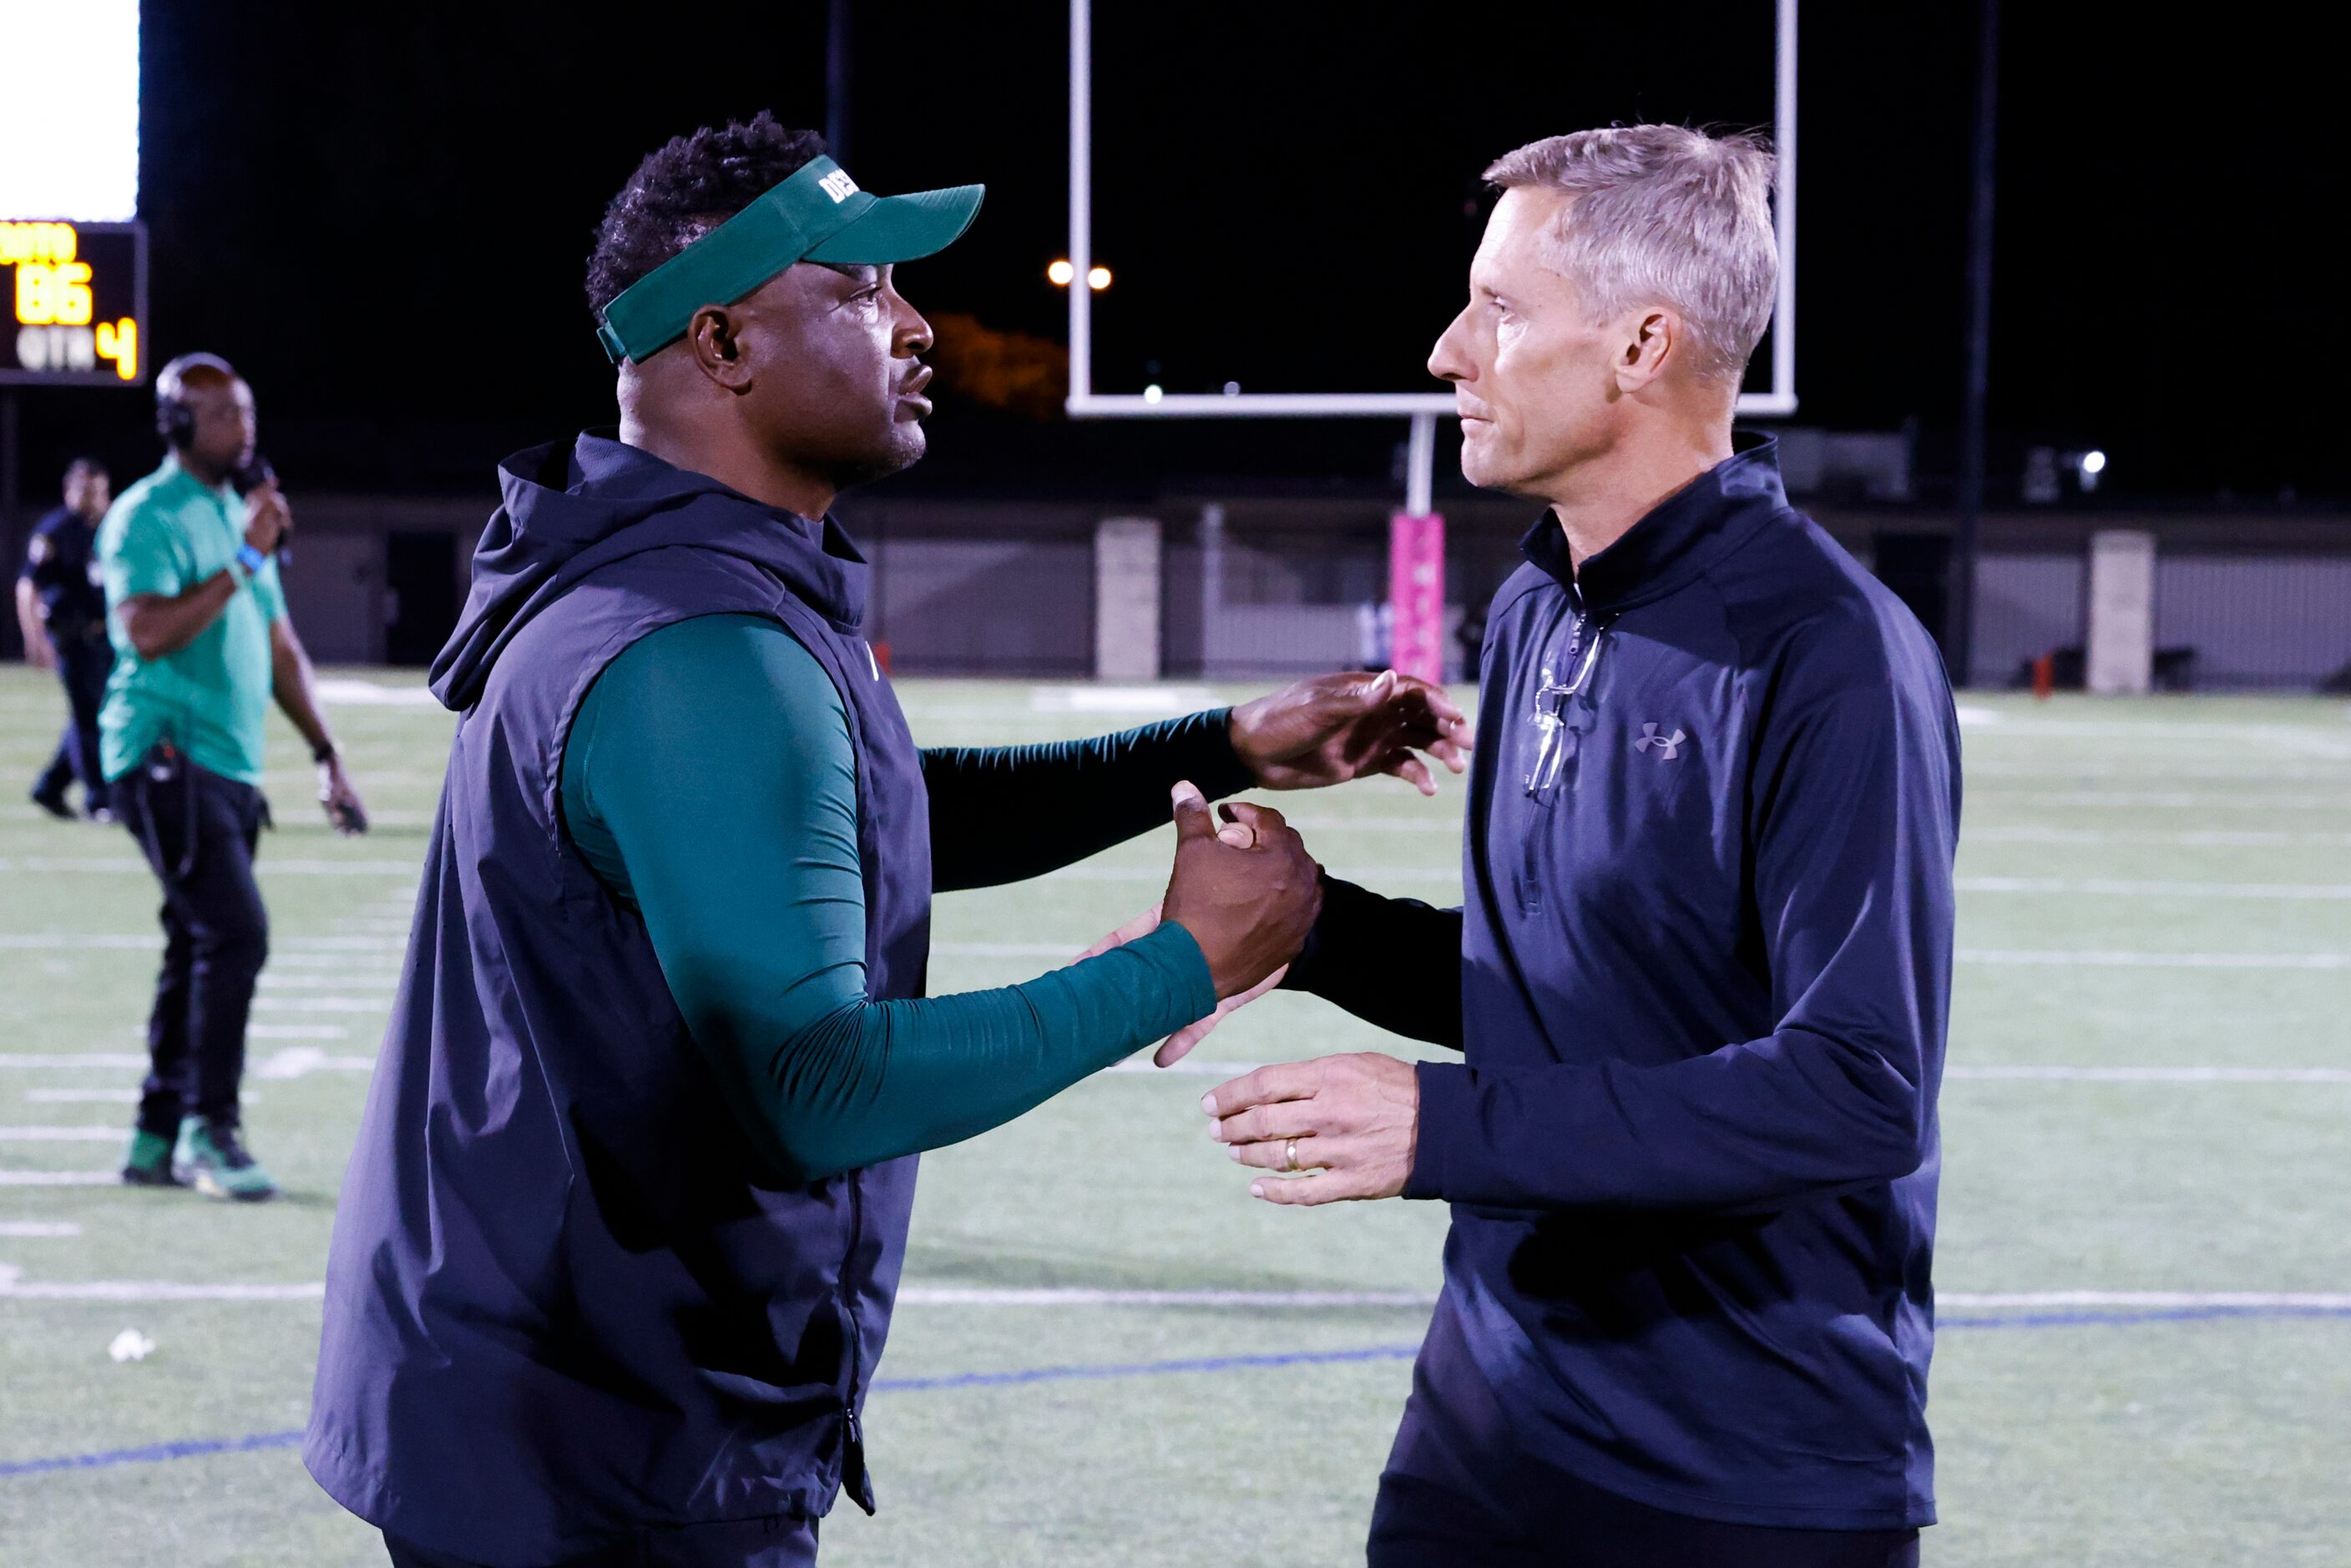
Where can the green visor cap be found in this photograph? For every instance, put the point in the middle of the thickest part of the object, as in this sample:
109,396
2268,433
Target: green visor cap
817,214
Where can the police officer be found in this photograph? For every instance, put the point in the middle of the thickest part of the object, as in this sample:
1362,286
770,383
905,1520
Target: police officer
61,609
202,645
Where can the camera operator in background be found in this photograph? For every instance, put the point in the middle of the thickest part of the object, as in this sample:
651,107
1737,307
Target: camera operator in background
202,645
61,610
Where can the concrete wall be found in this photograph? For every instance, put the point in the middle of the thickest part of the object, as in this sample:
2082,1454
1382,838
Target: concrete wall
1007,587
2026,605
2256,621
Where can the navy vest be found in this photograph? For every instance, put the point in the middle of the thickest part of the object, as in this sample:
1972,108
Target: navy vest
564,1298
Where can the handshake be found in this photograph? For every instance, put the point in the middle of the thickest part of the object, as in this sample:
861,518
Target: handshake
1246,889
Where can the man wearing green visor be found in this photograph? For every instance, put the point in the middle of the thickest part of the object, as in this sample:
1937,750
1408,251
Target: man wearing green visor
616,1253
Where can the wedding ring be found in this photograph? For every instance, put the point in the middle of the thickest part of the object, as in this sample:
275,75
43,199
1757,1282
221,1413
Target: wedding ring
1291,1157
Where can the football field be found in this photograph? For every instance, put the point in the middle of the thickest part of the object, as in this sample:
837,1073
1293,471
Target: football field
1107,1353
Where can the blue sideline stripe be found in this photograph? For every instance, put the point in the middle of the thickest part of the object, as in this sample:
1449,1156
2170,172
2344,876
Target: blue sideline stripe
1139,1369
153,1453
2159,1315
157,1452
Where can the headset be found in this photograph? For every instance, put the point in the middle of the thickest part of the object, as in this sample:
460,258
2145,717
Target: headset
175,421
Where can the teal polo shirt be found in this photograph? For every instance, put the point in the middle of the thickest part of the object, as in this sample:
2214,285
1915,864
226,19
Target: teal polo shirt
166,534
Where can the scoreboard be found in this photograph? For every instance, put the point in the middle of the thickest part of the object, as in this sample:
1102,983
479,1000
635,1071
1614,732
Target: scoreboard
75,297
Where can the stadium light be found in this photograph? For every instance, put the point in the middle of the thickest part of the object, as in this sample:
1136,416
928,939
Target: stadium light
1098,279
2089,466
1059,273
69,115
1153,393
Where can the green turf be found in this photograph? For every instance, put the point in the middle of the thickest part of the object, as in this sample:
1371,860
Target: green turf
2150,1444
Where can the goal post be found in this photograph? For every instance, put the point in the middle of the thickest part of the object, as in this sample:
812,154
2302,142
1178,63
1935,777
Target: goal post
1416,534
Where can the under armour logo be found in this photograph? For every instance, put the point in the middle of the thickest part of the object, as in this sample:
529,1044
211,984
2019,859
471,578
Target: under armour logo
838,185
1667,749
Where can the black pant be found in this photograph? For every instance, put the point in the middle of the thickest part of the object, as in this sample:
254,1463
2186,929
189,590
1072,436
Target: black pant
199,831
1459,1492
83,664
784,1541
1417,1523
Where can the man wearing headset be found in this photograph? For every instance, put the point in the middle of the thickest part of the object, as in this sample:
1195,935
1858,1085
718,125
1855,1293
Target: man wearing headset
202,645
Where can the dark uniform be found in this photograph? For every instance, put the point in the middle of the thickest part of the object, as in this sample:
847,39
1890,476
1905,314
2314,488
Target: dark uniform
61,563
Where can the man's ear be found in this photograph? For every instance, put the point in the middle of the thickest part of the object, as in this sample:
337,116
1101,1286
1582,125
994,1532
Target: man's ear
715,339
1652,340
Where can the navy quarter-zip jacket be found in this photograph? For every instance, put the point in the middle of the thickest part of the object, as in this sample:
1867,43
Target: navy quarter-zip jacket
1705,962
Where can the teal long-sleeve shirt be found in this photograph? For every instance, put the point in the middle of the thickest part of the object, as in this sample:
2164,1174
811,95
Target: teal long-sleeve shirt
710,783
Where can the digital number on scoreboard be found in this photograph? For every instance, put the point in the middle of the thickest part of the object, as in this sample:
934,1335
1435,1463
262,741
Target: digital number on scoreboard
76,296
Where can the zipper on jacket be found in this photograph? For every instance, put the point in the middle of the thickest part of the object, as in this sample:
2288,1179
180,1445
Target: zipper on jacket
854,1477
1561,688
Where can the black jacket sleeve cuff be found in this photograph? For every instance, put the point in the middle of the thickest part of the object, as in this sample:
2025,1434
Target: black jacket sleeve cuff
1205,746
1448,1117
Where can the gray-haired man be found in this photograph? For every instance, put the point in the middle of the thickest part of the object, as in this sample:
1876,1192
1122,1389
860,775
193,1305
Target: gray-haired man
1705,957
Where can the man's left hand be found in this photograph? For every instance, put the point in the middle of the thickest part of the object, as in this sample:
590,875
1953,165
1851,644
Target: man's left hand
1331,728
1353,1122
341,801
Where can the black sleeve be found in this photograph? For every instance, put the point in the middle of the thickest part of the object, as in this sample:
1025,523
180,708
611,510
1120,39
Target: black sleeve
1005,814
1393,962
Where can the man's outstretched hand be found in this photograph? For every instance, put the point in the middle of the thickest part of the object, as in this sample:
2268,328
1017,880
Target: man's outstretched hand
1248,906
1353,1120
1330,728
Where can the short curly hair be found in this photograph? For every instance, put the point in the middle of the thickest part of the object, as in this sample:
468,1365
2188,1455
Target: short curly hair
686,189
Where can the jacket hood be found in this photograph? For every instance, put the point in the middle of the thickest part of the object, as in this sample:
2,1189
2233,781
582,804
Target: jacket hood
570,508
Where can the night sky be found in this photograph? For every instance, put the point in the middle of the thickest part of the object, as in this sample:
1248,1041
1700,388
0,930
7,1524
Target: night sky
380,214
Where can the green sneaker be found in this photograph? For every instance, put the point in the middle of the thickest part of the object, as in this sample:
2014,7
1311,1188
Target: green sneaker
212,1160
149,1161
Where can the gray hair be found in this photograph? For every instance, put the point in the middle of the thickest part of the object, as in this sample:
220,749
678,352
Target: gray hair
1668,216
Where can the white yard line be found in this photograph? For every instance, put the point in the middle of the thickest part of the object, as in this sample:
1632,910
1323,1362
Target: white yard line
2116,887
958,1296
2148,770
1152,699
60,1178
92,1058
60,1134
342,691
38,1229
14,1285
298,1061
2051,957
82,1096
119,865
2156,1075
2162,800
2222,838
50,940
954,1296
131,866
2310,738
2325,1300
